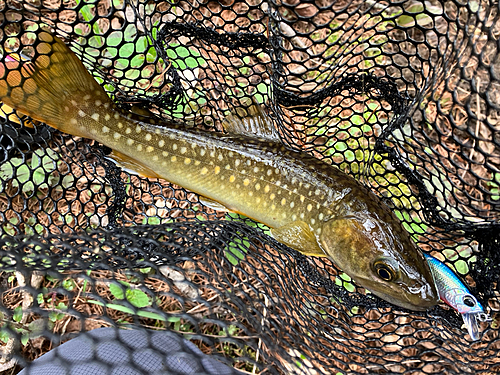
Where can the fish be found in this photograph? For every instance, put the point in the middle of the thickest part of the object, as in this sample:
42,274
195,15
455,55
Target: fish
310,205
454,293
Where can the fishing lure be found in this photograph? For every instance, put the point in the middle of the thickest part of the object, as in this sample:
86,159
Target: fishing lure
454,293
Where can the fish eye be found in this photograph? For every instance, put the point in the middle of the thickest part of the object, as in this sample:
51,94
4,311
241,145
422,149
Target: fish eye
469,301
384,271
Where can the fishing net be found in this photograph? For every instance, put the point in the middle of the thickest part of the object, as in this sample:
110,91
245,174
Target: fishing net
403,96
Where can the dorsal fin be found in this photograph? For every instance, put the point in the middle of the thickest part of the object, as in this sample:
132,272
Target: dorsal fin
256,124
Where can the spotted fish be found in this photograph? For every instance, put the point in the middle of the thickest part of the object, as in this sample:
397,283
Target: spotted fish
308,204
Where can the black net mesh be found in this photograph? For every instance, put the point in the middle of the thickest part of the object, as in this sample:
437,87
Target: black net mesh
403,96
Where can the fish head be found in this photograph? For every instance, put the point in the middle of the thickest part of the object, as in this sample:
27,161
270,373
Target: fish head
382,258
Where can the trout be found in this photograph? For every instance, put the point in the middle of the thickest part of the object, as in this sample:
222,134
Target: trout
309,205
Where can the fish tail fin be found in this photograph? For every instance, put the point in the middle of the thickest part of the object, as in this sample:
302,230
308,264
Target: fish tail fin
53,88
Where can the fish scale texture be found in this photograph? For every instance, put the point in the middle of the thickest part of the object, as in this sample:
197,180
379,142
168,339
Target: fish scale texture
401,95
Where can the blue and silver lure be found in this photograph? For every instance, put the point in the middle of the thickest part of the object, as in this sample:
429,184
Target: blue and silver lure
454,293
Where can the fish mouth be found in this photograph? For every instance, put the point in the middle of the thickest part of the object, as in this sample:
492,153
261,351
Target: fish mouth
422,296
419,297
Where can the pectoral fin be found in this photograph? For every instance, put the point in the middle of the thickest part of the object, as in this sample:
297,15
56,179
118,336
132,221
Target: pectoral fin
131,166
213,204
299,236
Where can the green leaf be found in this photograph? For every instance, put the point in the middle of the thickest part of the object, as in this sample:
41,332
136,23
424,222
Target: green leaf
117,291
25,339
138,298
18,314
4,336
125,309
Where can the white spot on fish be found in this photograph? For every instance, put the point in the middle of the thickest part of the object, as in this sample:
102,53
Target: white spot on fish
202,152
117,116
174,158
256,169
309,207
73,121
147,137
183,150
130,141
161,143
139,147
237,162
138,129
174,146
321,216
128,131
107,117
313,221
117,135
294,217
220,157
105,129
95,116
149,149
165,153
81,113
292,204
187,161
98,102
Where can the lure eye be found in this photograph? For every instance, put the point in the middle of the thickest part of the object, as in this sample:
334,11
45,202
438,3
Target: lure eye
469,301
384,271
